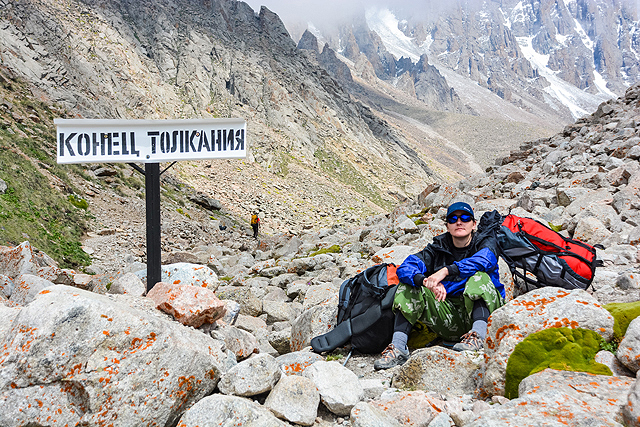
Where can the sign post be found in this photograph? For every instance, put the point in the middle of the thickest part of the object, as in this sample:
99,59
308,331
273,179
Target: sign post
154,252
150,142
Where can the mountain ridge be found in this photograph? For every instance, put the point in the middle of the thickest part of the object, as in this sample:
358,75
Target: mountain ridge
553,59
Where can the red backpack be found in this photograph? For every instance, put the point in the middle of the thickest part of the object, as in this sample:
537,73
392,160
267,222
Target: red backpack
529,246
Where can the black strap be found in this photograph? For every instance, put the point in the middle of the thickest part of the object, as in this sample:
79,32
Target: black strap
337,337
561,251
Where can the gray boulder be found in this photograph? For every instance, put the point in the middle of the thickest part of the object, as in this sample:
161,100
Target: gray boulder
440,370
611,361
364,414
258,374
280,340
206,201
241,343
295,399
186,274
6,286
560,398
413,408
128,284
629,349
24,259
218,410
339,387
311,323
84,351
324,294
26,287
296,362
7,315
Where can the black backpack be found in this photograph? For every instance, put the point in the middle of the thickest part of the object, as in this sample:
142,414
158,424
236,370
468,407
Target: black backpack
364,312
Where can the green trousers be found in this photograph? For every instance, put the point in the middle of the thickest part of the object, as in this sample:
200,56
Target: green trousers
451,318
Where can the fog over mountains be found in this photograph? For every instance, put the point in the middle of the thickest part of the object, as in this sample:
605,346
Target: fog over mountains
558,60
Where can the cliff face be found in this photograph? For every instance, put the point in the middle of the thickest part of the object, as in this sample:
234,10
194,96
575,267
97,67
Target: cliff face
530,49
557,60
182,59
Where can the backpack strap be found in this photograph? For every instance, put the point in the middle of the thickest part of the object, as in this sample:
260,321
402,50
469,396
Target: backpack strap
342,333
337,337
350,290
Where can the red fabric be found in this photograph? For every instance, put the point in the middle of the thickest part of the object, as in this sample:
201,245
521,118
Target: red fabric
392,277
534,228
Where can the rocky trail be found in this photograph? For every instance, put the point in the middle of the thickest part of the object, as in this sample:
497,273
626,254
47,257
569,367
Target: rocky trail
229,330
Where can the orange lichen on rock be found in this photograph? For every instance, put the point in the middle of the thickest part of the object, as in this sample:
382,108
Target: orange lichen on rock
504,330
561,323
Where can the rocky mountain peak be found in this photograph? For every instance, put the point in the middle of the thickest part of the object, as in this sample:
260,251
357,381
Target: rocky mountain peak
308,42
528,53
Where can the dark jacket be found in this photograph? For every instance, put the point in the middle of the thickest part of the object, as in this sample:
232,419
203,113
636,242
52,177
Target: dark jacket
480,255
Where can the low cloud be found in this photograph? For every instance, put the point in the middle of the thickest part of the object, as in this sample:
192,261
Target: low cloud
335,12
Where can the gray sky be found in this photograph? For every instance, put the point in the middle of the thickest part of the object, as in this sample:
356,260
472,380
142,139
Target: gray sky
325,14
291,11
330,11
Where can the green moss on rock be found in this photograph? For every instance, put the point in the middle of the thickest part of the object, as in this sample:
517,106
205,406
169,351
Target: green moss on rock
563,349
623,313
334,249
78,202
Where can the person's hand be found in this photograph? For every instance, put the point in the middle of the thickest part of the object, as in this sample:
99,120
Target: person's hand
434,282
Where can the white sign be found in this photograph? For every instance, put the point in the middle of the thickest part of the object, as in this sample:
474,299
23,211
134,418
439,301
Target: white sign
150,141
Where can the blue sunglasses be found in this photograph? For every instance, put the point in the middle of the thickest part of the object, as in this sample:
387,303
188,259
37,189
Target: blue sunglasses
454,218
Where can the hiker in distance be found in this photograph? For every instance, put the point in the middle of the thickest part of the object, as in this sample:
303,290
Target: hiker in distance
451,286
255,224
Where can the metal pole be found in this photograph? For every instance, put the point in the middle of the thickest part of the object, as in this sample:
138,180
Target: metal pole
152,185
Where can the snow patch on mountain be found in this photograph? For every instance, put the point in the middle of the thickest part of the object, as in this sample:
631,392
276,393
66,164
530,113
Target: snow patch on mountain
386,25
583,35
576,100
518,14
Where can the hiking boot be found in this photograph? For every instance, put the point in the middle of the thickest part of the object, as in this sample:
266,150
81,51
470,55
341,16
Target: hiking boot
471,341
391,356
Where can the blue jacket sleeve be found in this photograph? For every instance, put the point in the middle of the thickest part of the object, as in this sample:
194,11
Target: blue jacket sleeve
412,271
483,260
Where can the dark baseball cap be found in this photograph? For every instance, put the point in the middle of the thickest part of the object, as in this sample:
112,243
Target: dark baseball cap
460,206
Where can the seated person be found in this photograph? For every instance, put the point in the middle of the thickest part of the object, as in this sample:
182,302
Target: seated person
452,286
